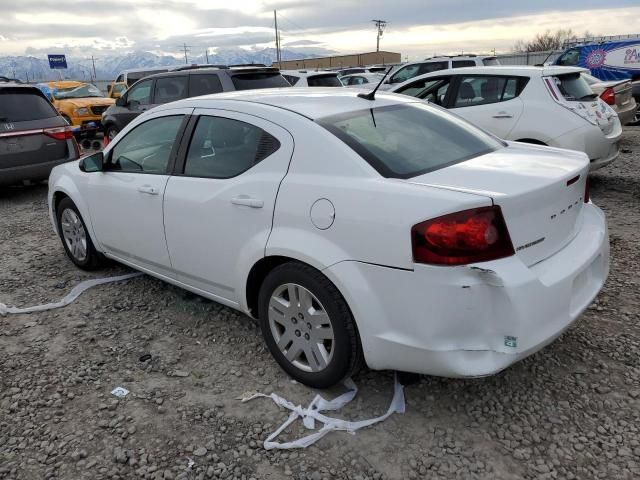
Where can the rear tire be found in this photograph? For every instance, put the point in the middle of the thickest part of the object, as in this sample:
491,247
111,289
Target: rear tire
636,118
308,326
75,237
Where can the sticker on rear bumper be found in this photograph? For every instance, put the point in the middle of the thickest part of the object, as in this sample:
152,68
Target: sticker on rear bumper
511,342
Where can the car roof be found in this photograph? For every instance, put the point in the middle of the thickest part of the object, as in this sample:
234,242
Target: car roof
525,70
205,70
312,103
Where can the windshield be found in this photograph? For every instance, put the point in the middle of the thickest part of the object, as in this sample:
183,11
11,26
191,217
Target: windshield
81,91
574,87
22,105
249,81
407,140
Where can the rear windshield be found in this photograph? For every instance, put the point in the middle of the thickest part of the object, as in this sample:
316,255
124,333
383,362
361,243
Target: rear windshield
249,81
24,106
574,87
331,80
490,61
403,141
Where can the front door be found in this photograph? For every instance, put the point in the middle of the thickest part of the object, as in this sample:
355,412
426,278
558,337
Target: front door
137,100
219,204
126,199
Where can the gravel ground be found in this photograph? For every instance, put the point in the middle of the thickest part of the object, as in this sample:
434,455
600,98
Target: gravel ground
569,412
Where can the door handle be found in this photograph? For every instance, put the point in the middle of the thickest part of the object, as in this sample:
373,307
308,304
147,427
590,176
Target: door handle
246,201
148,189
502,115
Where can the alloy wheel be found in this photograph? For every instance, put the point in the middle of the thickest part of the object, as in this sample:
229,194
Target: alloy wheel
301,327
74,234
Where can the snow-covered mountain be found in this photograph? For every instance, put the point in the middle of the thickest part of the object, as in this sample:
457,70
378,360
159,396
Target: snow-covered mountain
107,67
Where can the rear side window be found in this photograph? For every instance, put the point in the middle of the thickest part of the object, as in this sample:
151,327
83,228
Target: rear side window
574,87
249,81
140,93
324,81
170,89
433,67
204,85
403,141
291,79
483,90
463,63
22,106
490,61
224,148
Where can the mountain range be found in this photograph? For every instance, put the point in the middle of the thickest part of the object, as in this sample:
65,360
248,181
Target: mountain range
107,67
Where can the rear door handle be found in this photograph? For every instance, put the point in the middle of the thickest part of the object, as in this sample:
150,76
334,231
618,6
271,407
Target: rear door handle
502,115
247,201
148,189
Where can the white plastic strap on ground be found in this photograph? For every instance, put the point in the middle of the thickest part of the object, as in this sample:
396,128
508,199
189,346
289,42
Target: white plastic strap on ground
312,413
73,294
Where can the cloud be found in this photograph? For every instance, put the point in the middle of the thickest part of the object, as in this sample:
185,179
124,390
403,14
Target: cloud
301,43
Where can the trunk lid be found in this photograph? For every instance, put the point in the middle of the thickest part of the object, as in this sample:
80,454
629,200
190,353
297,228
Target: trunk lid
539,189
26,144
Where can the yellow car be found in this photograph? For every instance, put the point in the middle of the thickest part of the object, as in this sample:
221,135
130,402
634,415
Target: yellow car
116,89
79,103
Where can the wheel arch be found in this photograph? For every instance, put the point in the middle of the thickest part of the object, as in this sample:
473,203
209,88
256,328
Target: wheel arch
65,188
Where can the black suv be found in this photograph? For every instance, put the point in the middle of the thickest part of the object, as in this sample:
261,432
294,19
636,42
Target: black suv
183,83
34,137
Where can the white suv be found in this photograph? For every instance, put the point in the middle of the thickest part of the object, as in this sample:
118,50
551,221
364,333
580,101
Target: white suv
551,106
433,64
311,78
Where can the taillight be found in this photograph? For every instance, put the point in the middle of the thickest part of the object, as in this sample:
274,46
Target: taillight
586,191
61,133
608,96
470,236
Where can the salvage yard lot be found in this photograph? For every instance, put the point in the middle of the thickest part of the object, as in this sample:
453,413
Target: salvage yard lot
570,411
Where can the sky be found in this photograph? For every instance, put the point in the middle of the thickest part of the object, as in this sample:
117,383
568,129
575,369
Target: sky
416,28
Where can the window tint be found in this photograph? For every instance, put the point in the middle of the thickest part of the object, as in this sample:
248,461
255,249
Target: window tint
119,88
146,148
570,58
402,141
330,80
433,67
120,78
133,77
248,81
463,63
22,106
490,61
433,90
170,89
483,90
405,73
291,79
204,84
224,148
574,87
140,93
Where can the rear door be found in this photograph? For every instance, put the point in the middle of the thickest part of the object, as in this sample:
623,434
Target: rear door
489,101
219,204
28,125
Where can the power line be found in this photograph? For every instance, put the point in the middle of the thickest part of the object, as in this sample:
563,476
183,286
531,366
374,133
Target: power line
380,26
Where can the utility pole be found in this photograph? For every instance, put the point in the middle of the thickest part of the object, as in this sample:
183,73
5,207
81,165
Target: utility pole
186,49
206,53
93,62
275,21
380,26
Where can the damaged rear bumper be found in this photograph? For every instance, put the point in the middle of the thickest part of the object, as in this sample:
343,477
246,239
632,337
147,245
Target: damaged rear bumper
469,321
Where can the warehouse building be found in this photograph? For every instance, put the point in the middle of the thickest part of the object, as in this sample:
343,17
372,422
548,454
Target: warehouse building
341,61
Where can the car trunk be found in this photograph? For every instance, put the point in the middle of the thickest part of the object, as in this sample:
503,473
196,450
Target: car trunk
26,144
540,191
623,92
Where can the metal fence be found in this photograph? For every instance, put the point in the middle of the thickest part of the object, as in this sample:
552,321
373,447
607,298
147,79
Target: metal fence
529,58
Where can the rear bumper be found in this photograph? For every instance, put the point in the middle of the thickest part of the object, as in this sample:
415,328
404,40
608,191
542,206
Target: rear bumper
626,115
466,322
600,148
38,171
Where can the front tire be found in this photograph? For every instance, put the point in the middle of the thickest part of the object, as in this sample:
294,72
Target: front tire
308,326
75,237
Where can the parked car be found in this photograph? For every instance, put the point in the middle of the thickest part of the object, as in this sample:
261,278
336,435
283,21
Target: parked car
176,85
384,68
371,248
360,79
308,78
607,60
33,135
415,69
351,71
81,104
115,90
132,75
617,94
552,106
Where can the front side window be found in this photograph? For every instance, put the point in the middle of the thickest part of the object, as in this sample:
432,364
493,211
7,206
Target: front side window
484,90
147,148
224,148
433,90
119,88
405,74
170,89
570,58
407,140
140,93
120,78
200,84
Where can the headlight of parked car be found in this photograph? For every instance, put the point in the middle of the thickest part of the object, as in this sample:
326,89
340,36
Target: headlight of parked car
81,112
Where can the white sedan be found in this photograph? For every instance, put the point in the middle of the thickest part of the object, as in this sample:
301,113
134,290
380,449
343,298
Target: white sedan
384,231
552,106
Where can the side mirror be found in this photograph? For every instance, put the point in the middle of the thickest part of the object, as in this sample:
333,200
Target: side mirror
92,163
121,101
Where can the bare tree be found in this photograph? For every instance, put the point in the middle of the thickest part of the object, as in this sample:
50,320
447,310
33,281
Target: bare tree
546,41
